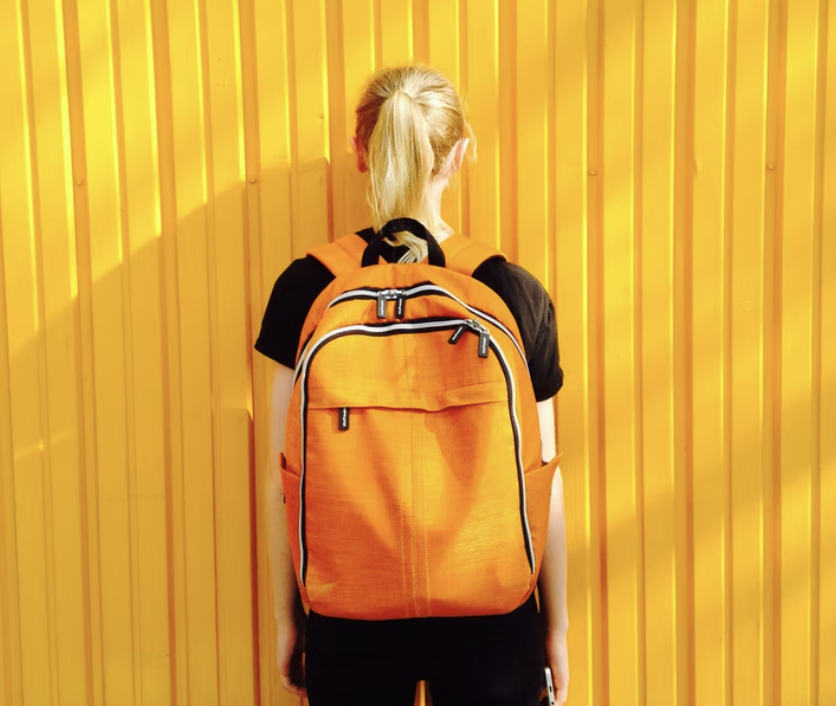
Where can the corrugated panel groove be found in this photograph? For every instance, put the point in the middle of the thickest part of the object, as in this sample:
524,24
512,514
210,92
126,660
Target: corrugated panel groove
664,167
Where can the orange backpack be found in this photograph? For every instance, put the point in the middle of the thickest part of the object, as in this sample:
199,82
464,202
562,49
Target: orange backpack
413,474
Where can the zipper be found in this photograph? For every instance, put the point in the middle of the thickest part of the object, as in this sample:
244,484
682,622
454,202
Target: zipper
400,296
458,326
478,328
417,291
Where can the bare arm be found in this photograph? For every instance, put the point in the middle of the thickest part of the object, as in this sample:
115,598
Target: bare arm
286,601
552,582
287,604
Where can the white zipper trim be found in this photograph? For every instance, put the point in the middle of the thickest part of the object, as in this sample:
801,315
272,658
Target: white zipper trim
520,470
301,361
371,294
304,362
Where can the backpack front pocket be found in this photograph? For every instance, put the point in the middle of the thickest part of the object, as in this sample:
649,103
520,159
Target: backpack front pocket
419,506
409,515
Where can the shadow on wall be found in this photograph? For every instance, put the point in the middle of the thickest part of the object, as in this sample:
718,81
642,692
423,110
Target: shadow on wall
139,418
136,484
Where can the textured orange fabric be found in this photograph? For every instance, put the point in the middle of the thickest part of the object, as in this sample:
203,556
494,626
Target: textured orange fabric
341,256
464,254
434,500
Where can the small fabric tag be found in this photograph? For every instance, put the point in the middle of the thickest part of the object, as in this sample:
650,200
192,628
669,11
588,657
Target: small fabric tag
343,418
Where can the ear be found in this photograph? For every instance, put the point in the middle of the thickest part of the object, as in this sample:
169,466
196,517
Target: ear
361,159
456,157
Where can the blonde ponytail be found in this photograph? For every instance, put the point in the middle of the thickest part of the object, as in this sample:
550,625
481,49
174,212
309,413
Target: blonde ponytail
408,121
400,159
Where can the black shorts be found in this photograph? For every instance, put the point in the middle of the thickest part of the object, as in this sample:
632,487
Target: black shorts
493,660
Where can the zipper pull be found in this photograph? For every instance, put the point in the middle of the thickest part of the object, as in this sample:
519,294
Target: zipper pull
382,296
387,295
400,306
484,336
344,418
476,327
457,334
484,342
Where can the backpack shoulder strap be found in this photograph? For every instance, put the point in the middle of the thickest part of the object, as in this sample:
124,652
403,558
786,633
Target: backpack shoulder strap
464,255
342,256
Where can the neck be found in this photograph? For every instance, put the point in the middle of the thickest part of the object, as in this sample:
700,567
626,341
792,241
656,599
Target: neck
442,230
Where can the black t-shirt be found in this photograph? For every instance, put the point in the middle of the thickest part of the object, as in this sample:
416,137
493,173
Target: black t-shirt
303,281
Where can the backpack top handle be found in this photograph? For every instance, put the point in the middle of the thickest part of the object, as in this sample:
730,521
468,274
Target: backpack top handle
435,255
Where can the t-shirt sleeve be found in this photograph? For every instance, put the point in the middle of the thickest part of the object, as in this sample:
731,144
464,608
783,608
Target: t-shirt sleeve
532,308
294,293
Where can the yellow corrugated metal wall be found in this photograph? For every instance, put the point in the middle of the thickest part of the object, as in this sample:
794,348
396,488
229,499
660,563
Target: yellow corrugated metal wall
666,167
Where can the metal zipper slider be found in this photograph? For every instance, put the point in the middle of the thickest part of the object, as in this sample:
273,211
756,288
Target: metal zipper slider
484,336
476,327
386,295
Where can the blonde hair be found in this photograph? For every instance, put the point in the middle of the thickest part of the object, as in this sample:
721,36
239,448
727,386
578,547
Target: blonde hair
408,120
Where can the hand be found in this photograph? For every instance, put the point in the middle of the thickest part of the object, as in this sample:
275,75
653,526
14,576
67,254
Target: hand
557,657
290,644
